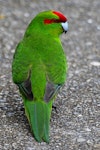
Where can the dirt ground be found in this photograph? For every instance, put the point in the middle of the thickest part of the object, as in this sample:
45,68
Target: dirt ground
76,124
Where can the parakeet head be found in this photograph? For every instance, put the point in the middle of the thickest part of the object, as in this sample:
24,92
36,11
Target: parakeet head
49,22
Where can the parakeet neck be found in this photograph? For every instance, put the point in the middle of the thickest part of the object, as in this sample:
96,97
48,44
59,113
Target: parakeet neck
36,29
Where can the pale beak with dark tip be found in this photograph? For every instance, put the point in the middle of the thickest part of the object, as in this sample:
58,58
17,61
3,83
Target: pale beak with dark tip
65,26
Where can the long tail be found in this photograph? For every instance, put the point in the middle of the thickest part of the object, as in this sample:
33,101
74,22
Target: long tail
38,114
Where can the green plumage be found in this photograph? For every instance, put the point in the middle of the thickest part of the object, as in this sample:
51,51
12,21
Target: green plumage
39,69
40,120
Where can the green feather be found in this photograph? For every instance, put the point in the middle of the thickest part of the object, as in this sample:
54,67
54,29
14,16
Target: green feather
38,114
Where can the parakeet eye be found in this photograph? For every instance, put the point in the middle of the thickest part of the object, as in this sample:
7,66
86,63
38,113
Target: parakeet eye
49,21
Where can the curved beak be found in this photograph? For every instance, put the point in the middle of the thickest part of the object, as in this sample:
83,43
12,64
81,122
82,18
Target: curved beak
65,26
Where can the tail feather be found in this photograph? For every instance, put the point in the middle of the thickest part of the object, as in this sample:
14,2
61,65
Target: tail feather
38,114
47,124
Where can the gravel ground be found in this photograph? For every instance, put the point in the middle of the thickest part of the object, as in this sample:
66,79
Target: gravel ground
76,124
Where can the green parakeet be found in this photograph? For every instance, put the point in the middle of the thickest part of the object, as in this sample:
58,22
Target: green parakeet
39,69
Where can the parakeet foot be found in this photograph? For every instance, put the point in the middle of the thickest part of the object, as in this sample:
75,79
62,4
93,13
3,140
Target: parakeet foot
55,108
